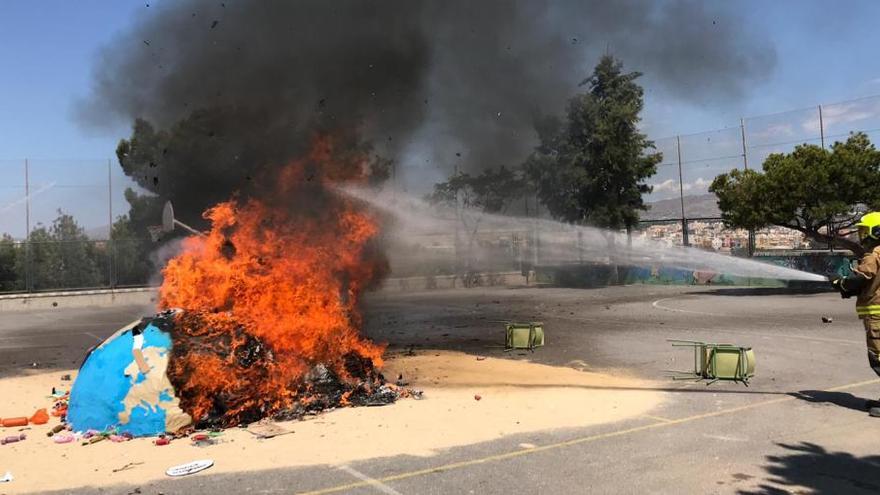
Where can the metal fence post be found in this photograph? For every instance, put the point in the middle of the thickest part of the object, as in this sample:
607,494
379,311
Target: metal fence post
110,244
742,128
537,235
684,223
580,246
456,268
822,142
28,277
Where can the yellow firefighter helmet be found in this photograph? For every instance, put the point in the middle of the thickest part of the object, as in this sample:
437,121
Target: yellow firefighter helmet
869,226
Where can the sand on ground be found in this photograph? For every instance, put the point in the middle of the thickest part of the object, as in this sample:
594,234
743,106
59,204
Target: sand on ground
516,397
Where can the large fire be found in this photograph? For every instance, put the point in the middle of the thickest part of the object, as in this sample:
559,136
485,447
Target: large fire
272,292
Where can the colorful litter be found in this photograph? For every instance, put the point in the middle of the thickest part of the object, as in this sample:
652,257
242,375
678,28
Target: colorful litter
11,422
40,417
55,429
12,439
63,437
189,468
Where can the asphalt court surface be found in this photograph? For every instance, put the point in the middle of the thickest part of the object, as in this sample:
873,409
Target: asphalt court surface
799,427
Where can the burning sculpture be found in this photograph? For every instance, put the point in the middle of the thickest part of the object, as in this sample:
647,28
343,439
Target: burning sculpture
123,383
266,313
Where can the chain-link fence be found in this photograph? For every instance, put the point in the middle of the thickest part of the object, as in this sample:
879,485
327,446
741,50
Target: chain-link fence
683,211
63,226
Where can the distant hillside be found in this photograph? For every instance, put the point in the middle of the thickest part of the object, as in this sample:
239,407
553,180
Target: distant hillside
98,233
698,206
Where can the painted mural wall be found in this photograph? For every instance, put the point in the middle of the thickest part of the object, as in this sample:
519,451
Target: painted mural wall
600,275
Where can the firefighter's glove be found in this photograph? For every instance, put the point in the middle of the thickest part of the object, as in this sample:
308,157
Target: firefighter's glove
837,283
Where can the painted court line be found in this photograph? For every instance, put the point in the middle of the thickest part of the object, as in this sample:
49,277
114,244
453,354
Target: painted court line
48,335
575,441
657,418
382,487
656,304
799,337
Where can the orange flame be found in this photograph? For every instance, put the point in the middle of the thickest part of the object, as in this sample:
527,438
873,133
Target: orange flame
290,269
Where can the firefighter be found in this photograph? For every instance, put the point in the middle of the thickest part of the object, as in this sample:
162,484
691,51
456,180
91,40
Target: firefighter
864,283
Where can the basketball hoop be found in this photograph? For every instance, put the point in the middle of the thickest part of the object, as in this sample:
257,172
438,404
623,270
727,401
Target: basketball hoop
169,222
167,217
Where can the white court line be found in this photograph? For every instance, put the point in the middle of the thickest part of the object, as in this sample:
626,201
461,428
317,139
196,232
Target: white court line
382,487
656,304
46,335
725,438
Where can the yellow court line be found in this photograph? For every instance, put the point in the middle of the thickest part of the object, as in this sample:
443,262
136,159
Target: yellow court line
575,441
657,418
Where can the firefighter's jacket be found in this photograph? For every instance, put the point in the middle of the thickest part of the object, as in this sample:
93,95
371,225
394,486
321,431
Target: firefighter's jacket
868,300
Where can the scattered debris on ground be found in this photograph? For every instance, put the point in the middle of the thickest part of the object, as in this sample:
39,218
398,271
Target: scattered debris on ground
127,466
346,435
267,429
827,319
12,439
189,468
13,422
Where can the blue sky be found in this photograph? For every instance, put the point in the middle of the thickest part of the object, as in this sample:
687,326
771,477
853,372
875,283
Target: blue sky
825,53
47,49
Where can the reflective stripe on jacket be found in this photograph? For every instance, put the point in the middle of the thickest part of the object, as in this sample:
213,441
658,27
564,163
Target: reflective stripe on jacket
868,310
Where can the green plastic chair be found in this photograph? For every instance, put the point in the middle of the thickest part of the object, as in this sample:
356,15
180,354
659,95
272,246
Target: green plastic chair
718,362
524,335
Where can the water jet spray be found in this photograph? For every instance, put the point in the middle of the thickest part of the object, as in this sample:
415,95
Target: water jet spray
561,243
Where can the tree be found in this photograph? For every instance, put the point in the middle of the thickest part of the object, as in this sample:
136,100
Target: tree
820,193
42,259
131,254
78,262
213,153
492,191
11,277
590,169
473,196
207,157
62,256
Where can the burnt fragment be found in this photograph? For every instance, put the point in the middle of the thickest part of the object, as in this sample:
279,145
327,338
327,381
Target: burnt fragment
220,370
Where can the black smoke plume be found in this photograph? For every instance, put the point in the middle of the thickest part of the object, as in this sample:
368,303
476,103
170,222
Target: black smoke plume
229,90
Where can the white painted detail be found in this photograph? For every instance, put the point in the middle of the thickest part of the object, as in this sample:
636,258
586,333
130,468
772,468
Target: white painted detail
189,468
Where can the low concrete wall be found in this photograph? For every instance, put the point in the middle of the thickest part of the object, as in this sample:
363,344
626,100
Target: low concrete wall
145,296
453,281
